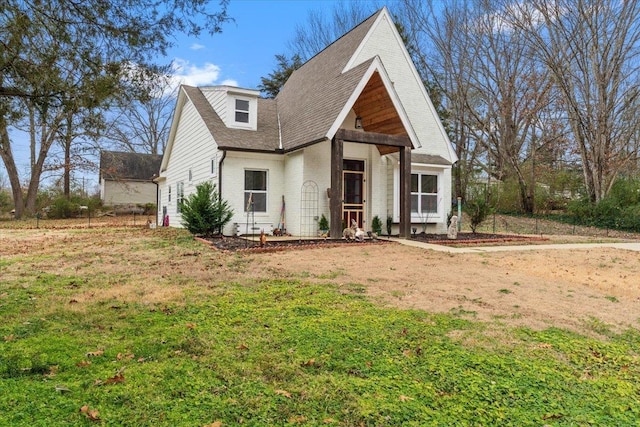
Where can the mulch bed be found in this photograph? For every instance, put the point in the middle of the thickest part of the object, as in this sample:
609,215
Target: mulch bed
238,244
473,239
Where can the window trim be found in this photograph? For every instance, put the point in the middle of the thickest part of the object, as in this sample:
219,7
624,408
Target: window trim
265,192
419,212
237,110
179,196
433,218
214,166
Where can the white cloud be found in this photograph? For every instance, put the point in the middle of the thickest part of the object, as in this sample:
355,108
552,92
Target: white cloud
197,46
229,82
184,72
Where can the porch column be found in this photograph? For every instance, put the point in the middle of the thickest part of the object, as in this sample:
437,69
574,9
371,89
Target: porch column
335,201
405,192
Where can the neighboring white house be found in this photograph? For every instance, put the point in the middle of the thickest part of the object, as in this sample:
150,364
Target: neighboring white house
351,135
126,179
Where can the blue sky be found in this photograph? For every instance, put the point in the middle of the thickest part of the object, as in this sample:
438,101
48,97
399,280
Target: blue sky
246,49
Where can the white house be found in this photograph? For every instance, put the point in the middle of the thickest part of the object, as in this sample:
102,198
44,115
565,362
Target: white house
351,135
126,179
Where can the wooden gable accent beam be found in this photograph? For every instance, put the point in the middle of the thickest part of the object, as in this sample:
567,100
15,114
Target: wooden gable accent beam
373,138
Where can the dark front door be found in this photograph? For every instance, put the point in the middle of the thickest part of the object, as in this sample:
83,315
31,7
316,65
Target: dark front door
353,192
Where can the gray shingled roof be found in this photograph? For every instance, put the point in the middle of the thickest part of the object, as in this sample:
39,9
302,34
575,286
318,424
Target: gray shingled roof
121,166
265,138
306,107
314,95
429,159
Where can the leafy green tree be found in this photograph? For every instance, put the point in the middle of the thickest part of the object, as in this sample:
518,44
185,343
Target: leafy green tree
63,57
204,213
272,84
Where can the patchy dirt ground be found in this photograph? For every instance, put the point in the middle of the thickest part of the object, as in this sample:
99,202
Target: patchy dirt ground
583,290
575,289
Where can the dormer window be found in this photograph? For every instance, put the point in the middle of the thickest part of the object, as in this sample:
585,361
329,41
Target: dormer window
242,111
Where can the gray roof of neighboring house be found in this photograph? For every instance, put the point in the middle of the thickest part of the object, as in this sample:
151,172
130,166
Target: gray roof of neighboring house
314,95
121,166
265,138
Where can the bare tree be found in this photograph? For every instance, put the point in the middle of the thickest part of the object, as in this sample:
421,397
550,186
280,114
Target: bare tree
591,48
494,88
443,56
321,29
141,122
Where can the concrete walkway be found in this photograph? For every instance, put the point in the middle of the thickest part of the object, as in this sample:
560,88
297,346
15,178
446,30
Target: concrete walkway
630,246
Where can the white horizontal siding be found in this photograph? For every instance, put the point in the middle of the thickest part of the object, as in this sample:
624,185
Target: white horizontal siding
128,193
193,149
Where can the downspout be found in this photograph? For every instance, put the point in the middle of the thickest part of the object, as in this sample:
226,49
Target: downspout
224,154
153,179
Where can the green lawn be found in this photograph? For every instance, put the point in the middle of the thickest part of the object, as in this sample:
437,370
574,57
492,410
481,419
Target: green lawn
280,352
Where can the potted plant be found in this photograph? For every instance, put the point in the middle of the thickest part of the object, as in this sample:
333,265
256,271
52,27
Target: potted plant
323,224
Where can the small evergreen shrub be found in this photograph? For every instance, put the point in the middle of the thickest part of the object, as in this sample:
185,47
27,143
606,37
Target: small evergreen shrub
204,213
376,225
323,223
478,209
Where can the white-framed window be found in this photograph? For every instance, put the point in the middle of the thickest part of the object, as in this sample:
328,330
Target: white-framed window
179,196
242,111
255,190
424,194
214,166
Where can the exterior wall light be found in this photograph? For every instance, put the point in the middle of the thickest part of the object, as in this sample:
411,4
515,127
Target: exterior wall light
358,124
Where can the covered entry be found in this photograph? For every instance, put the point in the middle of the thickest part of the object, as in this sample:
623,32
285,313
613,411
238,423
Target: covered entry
340,178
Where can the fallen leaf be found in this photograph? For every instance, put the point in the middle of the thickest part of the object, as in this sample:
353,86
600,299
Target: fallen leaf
121,356
298,419
95,353
191,325
309,362
118,378
328,421
141,359
214,424
92,414
10,337
407,353
83,364
284,393
242,347
73,301
404,398
53,370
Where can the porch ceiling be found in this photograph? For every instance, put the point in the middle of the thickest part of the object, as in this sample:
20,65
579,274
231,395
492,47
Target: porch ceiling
375,107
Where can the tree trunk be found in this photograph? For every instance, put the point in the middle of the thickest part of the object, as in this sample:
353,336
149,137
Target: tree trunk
67,158
12,170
